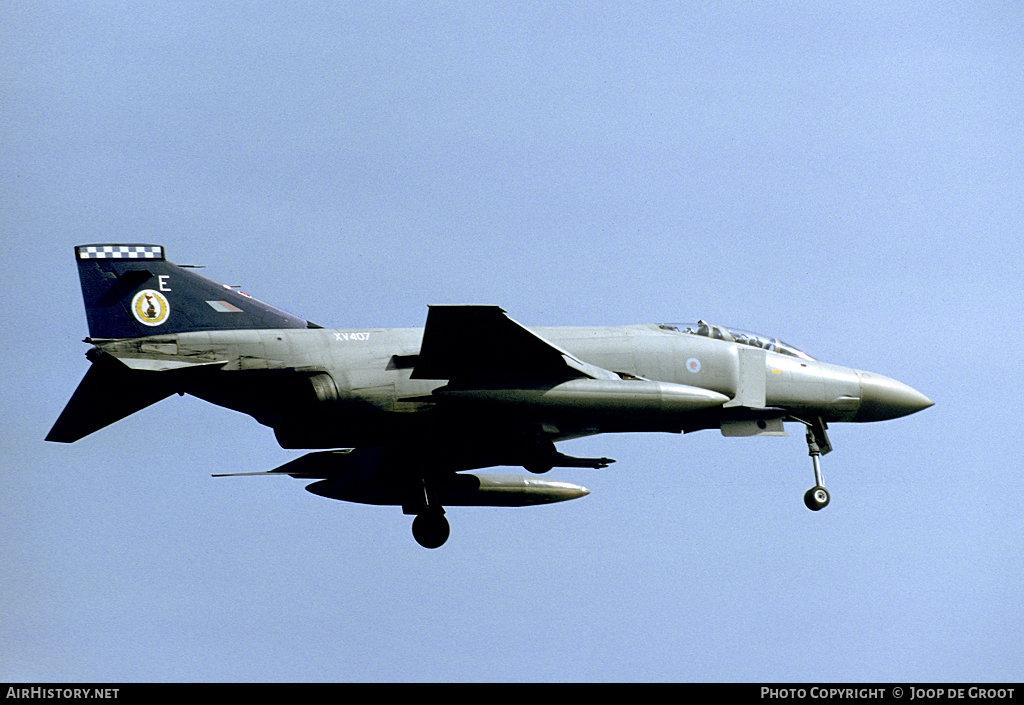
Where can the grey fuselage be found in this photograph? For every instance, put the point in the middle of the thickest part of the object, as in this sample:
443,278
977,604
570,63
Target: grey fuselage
323,388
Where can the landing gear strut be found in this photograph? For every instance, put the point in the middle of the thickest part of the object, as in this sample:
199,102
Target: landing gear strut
818,445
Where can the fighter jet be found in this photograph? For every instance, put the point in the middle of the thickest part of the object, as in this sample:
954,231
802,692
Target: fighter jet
408,417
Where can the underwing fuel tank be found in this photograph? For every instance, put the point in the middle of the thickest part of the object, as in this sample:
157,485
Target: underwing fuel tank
460,490
593,395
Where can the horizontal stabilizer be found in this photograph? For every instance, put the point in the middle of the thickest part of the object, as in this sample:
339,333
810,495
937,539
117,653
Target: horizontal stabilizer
109,392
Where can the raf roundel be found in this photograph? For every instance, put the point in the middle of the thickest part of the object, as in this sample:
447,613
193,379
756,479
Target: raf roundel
150,307
693,365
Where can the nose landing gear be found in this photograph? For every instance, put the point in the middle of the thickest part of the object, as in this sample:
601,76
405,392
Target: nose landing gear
817,497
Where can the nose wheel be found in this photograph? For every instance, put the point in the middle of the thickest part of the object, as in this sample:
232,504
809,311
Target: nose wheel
817,497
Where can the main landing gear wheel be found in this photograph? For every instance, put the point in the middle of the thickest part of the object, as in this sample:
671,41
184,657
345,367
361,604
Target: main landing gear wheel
543,456
539,466
816,498
430,530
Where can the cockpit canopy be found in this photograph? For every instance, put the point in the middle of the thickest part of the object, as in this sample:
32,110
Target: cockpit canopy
735,335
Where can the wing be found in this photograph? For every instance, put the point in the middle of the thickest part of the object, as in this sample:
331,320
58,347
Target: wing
473,343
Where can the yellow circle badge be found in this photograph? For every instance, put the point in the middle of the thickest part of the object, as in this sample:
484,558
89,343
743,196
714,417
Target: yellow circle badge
150,307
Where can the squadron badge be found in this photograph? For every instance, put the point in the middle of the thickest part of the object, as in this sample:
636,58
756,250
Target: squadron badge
150,307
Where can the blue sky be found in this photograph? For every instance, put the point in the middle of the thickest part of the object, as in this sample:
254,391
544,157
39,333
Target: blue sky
849,179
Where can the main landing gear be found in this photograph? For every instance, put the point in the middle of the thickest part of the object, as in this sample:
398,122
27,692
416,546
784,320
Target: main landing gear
817,497
429,528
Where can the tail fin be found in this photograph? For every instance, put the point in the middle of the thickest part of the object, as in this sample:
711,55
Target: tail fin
132,291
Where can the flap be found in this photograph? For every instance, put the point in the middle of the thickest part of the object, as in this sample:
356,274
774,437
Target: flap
480,342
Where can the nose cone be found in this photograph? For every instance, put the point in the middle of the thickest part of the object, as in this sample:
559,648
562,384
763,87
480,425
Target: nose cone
882,398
